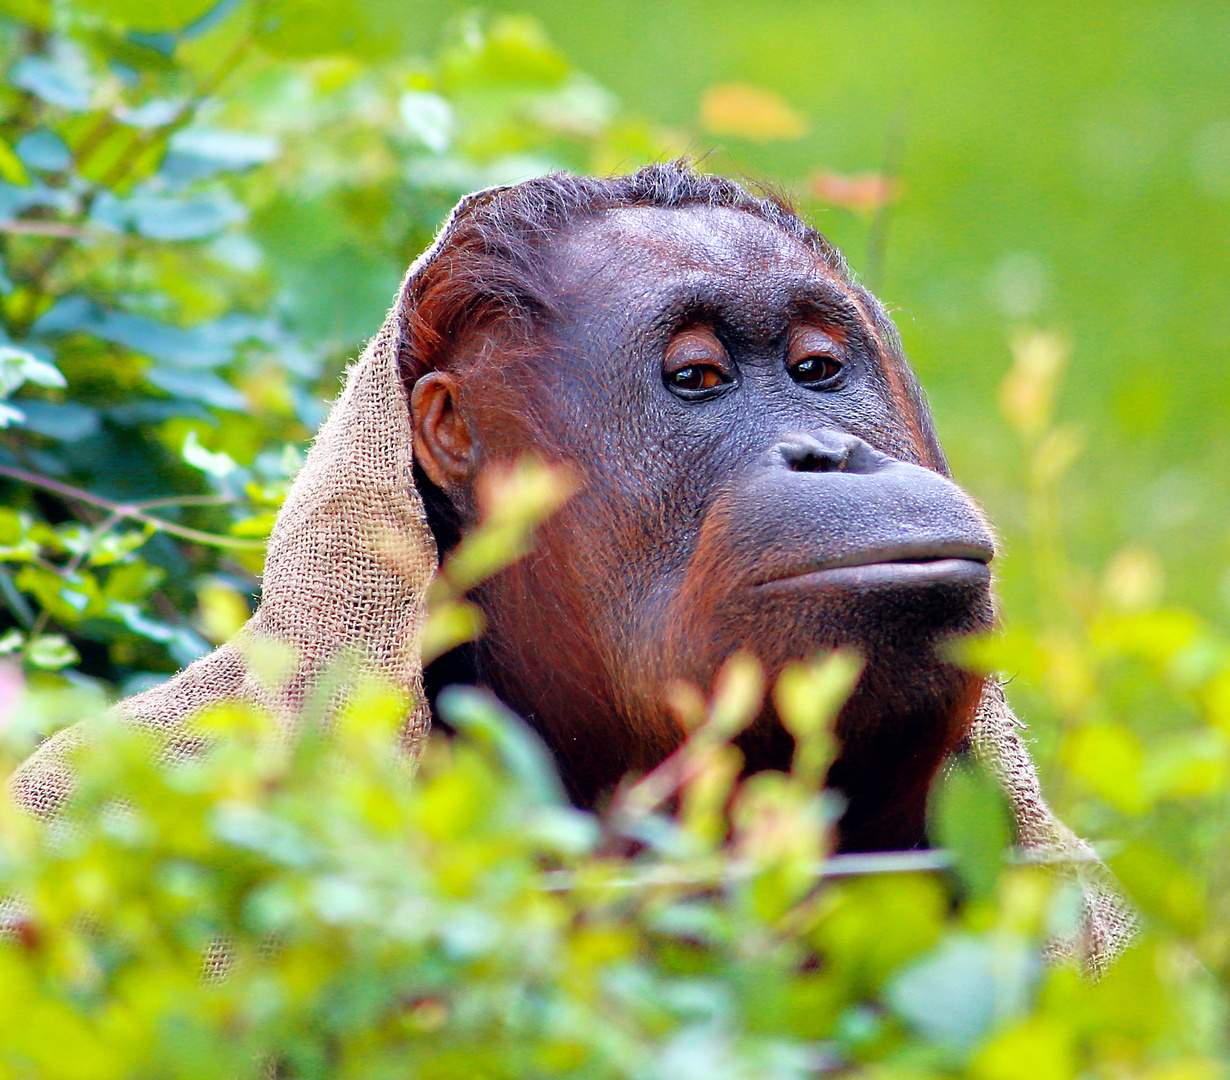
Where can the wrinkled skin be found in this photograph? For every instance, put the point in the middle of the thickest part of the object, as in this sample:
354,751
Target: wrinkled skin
753,474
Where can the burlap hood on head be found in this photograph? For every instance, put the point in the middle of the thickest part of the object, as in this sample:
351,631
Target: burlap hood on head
348,565
347,568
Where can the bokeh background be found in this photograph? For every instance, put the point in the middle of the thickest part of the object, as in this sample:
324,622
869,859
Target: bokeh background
1058,166
206,205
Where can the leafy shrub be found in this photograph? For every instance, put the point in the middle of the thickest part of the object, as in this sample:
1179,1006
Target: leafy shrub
304,904
195,232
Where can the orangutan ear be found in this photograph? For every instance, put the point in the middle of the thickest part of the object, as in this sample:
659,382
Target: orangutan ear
443,446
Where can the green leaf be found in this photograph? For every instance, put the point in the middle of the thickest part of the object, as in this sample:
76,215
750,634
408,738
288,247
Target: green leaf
51,652
956,993
970,817
197,153
133,582
11,167
35,12
250,829
514,51
851,934
12,527
113,547
428,118
204,346
10,414
164,217
808,697
1162,887
61,80
18,366
184,219
303,28
43,150
68,421
151,114
202,386
1111,760
218,464
150,16
66,600
369,29
480,717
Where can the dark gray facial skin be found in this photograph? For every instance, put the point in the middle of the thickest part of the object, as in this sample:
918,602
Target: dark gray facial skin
756,473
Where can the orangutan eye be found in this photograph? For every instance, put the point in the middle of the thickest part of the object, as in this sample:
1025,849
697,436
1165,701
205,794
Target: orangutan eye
816,370
696,362
697,377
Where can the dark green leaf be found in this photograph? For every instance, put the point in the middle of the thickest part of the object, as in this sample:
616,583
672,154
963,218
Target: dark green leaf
970,817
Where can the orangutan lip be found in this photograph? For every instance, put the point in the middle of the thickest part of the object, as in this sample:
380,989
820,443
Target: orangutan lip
956,569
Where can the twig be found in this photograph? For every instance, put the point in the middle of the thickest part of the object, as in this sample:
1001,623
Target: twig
831,868
187,500
134,511
60,229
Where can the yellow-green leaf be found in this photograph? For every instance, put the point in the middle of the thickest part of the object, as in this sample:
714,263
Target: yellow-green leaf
11,167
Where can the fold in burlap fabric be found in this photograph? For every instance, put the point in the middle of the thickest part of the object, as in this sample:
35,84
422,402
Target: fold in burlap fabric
348,565
1107,923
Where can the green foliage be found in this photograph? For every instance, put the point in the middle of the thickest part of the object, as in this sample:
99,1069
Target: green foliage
307,902
971,819
197,228
310,905
204,209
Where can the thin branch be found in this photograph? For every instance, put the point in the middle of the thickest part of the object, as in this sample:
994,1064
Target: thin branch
132,511
857,864
60,229
188,500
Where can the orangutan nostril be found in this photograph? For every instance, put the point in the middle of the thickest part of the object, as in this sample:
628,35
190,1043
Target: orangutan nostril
808,455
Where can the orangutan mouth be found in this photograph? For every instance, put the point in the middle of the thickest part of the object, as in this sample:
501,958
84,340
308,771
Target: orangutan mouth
958,564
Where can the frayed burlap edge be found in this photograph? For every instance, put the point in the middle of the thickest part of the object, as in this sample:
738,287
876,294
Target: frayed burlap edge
1107,923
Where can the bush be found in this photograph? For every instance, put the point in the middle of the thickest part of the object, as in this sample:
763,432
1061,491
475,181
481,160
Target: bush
195,233
305,904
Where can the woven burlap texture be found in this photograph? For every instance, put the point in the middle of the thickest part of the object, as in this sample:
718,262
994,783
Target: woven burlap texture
1107,922
348,565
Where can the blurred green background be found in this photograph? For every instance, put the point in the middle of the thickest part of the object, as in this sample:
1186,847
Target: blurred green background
1065,166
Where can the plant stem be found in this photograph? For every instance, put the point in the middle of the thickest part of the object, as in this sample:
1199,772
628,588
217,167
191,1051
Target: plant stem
61,230
135,511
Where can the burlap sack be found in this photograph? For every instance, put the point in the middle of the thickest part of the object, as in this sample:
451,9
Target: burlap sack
349,562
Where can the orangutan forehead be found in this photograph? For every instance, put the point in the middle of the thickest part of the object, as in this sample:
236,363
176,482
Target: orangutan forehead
698,257
717,237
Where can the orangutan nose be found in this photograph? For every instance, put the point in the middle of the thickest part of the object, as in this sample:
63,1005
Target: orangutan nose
828,451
